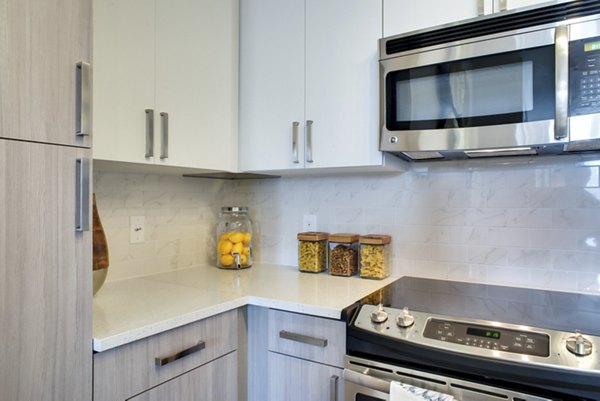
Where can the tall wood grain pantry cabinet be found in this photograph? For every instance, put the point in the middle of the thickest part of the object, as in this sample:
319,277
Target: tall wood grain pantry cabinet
165,80
45,249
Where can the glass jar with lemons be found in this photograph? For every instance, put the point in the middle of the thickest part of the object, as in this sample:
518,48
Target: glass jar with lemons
234,238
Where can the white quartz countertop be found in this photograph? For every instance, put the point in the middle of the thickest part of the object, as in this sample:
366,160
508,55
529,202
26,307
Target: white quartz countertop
128,310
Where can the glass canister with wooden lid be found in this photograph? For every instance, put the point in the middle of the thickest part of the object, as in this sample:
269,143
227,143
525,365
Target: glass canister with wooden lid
375,256
343,254
312,251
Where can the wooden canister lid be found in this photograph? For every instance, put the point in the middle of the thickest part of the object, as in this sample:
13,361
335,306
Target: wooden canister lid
343,237
312,236
375,239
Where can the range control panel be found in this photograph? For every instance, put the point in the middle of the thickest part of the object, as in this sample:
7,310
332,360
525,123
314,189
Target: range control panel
488,337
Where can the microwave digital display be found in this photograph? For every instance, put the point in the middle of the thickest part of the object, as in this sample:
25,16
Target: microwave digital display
591,46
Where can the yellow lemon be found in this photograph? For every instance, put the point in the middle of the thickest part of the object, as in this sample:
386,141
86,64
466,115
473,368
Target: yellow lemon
237,248
243,260
224,236
226,260
225,247
247,238
236,237
246,250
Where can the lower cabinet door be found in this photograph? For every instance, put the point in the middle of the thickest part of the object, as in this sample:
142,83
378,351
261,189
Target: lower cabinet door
215,381
294,379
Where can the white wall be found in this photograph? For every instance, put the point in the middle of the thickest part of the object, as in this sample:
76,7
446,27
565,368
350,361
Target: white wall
535,225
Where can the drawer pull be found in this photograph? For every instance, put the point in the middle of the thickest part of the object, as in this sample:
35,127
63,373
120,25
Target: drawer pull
333,385
301,338
163,361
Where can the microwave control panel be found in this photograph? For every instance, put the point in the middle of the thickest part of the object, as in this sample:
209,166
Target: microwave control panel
584,76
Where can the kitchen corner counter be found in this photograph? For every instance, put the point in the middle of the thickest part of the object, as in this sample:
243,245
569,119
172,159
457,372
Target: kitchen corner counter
129,310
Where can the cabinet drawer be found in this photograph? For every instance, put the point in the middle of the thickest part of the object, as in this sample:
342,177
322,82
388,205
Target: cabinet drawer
215,381
313,338
123,372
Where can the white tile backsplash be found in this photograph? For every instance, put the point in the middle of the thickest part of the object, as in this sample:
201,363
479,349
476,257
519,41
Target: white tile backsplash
518,222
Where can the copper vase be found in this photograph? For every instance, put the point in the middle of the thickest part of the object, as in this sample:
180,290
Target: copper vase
99,250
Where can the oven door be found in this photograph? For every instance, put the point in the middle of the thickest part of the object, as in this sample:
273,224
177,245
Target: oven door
484,94
366,380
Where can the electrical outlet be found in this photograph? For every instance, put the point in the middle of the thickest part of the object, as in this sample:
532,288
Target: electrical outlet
136,229
309,222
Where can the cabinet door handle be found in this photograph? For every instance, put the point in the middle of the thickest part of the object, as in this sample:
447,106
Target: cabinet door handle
172,358
164,146
561,82
503,5
295,125
333,386
309,153
82,194
301,338
480,7
149,132
83,99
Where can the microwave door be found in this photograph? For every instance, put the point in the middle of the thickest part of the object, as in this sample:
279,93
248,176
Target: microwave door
489,94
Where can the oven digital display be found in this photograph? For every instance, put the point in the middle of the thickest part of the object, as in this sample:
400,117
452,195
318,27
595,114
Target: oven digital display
483,333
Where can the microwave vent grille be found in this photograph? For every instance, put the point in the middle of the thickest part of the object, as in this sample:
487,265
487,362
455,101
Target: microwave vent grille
487,26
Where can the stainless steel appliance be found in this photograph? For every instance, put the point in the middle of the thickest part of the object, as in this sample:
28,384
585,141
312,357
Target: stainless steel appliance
474,342
521,82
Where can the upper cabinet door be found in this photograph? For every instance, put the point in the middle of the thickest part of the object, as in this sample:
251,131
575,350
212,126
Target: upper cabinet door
342,83
271,84
42,41
123,78
196,83
401,16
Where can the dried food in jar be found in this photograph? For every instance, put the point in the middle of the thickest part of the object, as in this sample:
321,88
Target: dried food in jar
374,256
343,260
312,256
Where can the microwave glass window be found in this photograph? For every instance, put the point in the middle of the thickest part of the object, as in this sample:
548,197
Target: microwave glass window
471,93
507,88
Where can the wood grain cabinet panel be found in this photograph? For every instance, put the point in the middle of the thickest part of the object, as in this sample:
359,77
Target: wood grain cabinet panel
40,43
45,276
317,339
215,381
123,372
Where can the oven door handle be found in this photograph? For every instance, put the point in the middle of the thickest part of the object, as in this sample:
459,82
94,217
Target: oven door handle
365,380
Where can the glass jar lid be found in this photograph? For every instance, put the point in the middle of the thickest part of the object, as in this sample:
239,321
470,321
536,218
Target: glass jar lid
375,239
312,236
343,237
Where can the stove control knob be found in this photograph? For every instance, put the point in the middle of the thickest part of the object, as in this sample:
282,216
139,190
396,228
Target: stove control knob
379,315
579,345
405,319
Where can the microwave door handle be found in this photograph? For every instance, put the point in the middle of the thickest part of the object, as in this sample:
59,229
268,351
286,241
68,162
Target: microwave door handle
561,82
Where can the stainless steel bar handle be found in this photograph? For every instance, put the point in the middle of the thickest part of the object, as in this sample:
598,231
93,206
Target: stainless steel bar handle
561,118
365,380
309,150
333,386
149,132
301,338
83,99
82,194
166,360
164,146
480,7
295,125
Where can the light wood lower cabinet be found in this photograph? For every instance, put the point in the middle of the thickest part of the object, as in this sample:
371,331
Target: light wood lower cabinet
295,379
135,369
215,381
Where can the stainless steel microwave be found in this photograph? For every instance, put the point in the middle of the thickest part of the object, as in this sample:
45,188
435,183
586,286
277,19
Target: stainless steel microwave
522,82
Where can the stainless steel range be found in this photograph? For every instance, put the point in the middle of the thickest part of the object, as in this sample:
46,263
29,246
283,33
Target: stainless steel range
474,342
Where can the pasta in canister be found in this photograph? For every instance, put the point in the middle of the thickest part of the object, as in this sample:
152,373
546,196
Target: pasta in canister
374,256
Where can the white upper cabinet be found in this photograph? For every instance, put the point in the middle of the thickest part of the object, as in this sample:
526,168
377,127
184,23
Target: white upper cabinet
401,16
170,65
309,84
271,84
